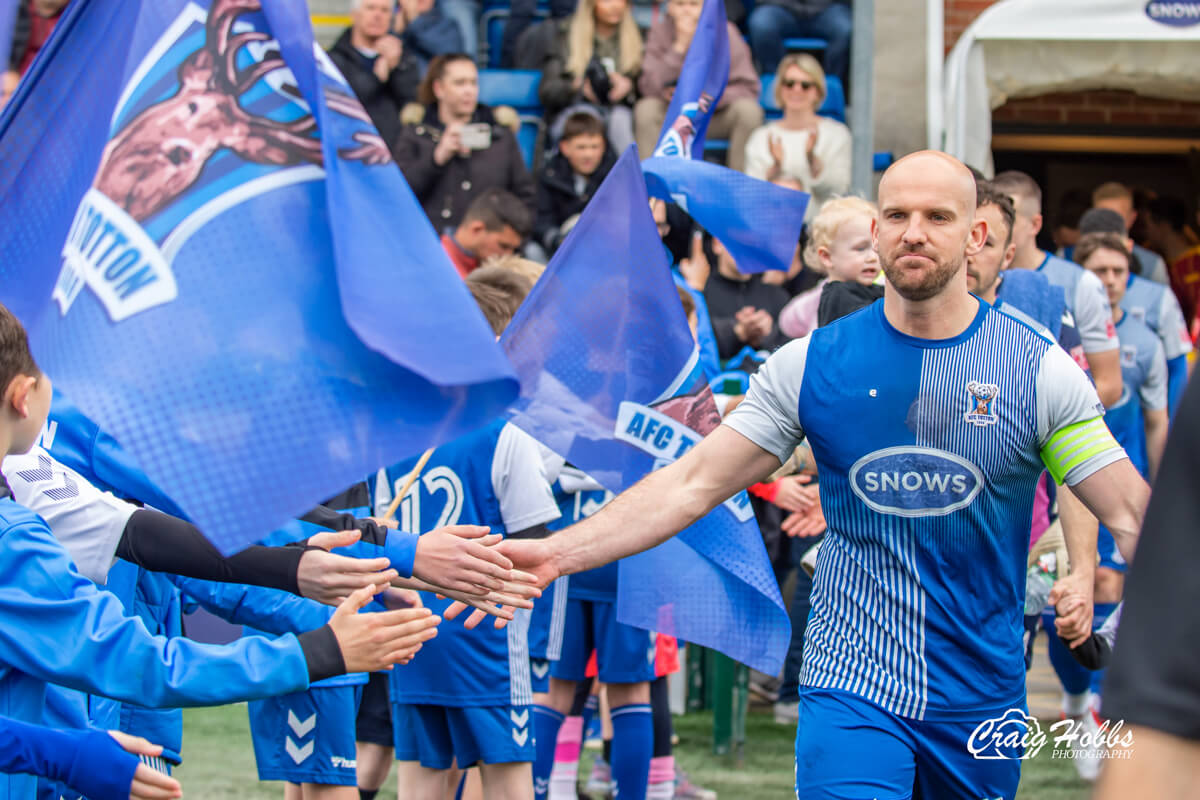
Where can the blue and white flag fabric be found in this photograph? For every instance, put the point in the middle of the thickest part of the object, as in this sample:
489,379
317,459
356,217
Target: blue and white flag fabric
220,264
611,382
758,222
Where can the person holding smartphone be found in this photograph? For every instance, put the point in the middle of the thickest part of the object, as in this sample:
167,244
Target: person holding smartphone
453,148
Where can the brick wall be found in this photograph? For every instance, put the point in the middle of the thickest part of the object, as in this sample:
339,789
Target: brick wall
1099,107
958,15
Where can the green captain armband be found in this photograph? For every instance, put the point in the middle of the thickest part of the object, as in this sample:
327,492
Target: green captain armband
1071,446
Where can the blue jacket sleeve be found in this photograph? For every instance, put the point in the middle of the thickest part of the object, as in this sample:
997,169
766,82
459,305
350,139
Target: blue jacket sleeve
88,761
57,627
270,610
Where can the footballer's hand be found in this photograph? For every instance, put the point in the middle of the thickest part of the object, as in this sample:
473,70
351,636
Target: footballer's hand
329,578
1071,597
533,556
462,558
482,611
148,783
375,641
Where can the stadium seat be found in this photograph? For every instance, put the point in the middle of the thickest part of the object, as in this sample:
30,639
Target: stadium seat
491,32
805,45
517,88
511,87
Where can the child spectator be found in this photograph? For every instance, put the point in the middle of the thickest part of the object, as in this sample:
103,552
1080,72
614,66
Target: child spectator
839,245
595,63
742,307
571,177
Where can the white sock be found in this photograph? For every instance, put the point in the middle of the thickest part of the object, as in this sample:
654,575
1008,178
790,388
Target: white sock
563,779
1073,705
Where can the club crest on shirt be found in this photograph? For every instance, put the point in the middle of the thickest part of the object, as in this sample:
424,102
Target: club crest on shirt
982,398
1128,356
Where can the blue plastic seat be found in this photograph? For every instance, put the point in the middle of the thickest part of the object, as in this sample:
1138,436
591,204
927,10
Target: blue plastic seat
805,45
511,87
529,139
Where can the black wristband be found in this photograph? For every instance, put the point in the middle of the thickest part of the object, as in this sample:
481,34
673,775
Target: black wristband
162,543
1093,654
322,653
535,532
372,532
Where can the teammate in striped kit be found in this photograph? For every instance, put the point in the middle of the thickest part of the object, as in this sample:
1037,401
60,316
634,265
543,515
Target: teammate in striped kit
1149,302
930,416
1084,295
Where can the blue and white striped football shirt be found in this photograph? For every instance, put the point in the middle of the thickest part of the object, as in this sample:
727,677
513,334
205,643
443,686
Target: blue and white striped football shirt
929,452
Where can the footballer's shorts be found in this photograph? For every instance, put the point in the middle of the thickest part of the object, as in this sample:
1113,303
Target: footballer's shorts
546,623
848,748
1110,556
374,723
306,737
624,654
443,736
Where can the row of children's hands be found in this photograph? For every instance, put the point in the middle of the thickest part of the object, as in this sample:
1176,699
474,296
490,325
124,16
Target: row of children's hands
465,563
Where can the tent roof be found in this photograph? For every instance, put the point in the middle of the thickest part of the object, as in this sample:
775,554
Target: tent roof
1021,48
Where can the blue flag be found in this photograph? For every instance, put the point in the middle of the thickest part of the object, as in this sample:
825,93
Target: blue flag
700,86
220,264
611,381
758,222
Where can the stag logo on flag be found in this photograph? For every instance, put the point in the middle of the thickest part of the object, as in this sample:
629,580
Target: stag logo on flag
210,118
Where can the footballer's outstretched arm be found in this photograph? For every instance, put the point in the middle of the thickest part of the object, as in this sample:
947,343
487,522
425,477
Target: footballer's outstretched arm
652,510
1117,495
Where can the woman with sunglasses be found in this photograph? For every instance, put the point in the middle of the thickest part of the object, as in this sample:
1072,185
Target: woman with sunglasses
804,146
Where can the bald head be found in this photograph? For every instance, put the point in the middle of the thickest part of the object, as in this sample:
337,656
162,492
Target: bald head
940,171
926,226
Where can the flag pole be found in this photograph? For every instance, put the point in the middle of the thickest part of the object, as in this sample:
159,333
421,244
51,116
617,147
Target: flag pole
408,482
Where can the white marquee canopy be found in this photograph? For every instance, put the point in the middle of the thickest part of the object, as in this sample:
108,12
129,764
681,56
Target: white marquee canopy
1023,48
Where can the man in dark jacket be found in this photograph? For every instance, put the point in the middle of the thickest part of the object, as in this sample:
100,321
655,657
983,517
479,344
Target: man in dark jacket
377,65
458,149
571,177
744,310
